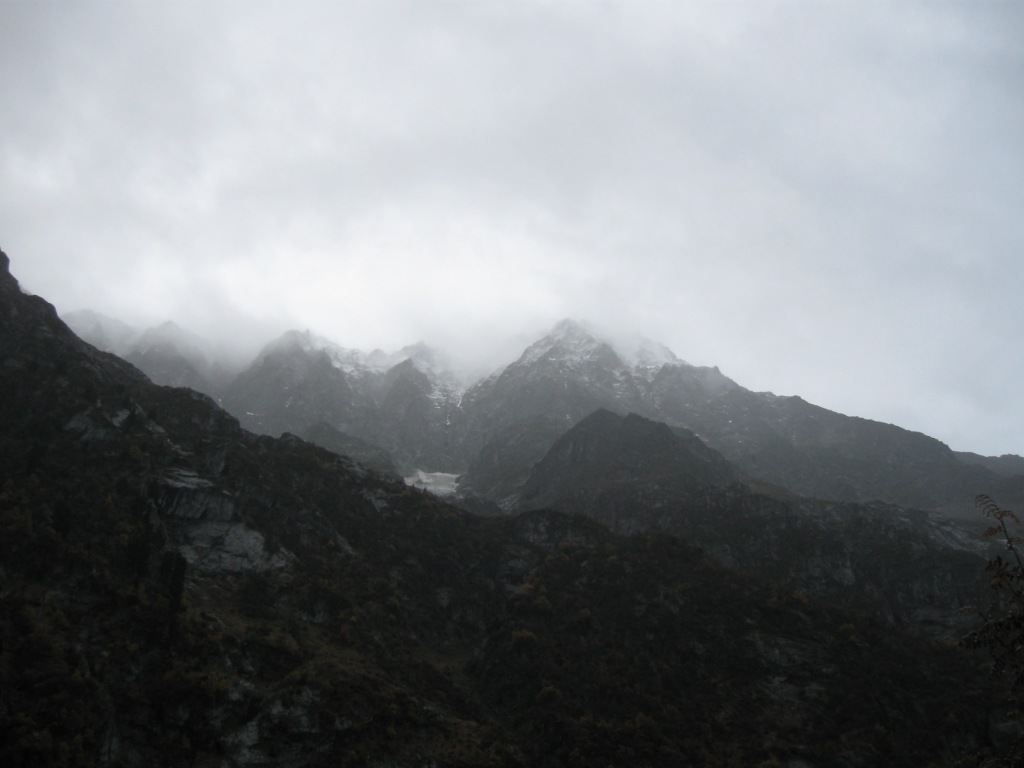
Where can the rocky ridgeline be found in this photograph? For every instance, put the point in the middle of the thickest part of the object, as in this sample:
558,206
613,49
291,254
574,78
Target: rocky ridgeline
178,590
412,407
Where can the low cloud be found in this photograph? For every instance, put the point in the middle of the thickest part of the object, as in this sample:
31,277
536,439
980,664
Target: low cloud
822,199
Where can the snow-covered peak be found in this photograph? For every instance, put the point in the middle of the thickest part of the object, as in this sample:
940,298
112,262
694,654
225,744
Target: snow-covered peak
641,352
569,343
357,362
348,360
425,358
436,365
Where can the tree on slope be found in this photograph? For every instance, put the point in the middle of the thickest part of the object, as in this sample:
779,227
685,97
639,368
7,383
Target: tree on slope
1001,631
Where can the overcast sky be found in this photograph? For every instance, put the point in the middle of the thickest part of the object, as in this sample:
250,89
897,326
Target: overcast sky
822,198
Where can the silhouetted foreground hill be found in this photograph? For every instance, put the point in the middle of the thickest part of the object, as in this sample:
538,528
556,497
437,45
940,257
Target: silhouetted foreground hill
177,591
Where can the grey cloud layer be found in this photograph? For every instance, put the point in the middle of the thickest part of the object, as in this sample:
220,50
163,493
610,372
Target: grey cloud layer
821,198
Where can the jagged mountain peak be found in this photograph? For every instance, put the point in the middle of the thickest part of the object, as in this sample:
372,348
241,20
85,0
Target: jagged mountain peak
354,361
571,344
574,342
424,358
641,352
309,343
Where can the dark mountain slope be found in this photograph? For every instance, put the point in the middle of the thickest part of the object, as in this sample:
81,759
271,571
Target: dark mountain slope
1008,464
677,676
816,452
370,456
417,422
635,475
174,589
177,591
408,408
514,416
290,387
605,450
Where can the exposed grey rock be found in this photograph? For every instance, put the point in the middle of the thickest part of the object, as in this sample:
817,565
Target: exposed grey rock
90,425
229,547
182,494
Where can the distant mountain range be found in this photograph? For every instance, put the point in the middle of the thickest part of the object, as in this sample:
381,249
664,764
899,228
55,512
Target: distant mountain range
639,440
167,353
178,590
412,406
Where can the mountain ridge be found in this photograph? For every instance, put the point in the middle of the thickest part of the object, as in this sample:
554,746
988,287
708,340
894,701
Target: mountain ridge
178,590
636,476
493,431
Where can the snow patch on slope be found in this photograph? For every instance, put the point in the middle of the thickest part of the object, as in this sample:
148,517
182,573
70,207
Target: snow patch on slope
437,483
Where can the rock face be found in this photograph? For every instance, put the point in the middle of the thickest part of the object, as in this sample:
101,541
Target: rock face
176,590
293,385
405,403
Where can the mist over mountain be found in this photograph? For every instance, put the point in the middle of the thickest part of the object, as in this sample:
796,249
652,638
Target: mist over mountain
404,402
103,332
415,407
341,487
178,589
167,353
